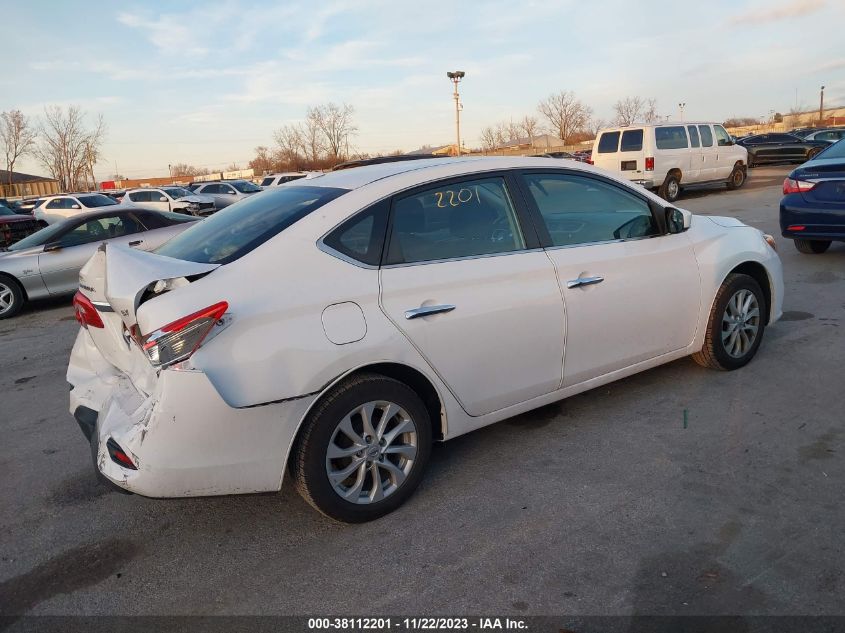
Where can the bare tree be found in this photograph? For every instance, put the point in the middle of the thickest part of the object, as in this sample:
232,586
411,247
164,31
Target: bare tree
565,114
183,170
594,125
233,167
312,136
91,146
290,146
635,109
336,124
68,149
530,127
488,138
263,161
17,138
650,111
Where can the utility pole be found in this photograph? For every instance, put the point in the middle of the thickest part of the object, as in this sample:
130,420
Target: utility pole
681,107
455,77
821,106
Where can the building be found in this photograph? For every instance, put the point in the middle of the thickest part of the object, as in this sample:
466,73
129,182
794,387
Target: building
26,185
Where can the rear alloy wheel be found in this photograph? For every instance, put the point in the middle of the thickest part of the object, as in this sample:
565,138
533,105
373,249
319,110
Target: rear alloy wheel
812,247
737,178
363,450
670,190
813,153
736,324
11,297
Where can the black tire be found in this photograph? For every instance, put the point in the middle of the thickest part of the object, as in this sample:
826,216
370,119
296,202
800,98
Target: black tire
738,177
714,354
812,247
42,224
308,456
670,190
10,288
813,152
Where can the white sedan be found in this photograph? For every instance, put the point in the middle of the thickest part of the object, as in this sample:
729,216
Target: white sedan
334,329
67,205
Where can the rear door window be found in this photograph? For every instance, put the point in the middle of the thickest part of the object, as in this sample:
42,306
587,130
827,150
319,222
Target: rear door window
632,141
267,182
671,137
464,219
609,143
706,136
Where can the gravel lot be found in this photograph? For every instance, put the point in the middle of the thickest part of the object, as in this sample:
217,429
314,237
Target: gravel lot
603,504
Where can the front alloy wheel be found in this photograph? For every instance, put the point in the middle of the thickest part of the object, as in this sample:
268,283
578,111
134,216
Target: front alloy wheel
363,449
736,324
11,298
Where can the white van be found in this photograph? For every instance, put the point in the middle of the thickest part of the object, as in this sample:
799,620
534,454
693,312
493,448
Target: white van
671,156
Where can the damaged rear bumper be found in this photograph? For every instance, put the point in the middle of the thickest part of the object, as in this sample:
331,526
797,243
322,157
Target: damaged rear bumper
184,439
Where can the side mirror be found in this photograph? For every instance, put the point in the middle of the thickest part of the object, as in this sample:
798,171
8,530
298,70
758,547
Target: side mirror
75,206
52,246
162,199
678,220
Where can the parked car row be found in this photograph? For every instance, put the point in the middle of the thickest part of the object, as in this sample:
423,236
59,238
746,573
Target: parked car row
780,148
47,262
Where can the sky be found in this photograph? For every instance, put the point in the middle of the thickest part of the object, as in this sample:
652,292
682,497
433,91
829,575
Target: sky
206,82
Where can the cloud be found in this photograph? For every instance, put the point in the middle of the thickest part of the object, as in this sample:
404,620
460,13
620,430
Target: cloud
789,10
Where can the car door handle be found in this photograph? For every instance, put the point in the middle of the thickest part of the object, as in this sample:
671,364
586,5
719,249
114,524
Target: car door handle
427,310
584,281
136,243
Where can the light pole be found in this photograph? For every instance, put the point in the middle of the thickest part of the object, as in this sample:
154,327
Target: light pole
821,106
681,107
455,77
170,169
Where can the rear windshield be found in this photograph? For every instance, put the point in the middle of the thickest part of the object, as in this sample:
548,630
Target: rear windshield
632,141
674,137
236,230
609,143
837,150
96,200
245,187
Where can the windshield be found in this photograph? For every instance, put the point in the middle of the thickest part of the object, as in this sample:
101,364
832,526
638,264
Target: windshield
4,210
178,192
95,200
837,150
245,225
39,238
245,187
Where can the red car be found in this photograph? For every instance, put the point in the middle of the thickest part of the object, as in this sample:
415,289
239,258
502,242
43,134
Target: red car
14,227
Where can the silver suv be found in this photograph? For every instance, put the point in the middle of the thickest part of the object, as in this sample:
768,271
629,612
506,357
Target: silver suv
225,192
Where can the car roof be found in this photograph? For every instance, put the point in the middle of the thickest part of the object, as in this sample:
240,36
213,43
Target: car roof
354,178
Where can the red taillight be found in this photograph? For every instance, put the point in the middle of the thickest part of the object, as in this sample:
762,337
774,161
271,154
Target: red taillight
119,456
796,227
589,161
176,341
86,313
796,186
649,163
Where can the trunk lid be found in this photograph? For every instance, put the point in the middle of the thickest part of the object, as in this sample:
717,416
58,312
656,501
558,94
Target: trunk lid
116,280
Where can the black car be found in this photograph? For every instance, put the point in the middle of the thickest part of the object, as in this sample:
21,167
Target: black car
779,148
812,211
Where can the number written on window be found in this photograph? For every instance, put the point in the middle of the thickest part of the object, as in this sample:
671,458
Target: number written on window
453,198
